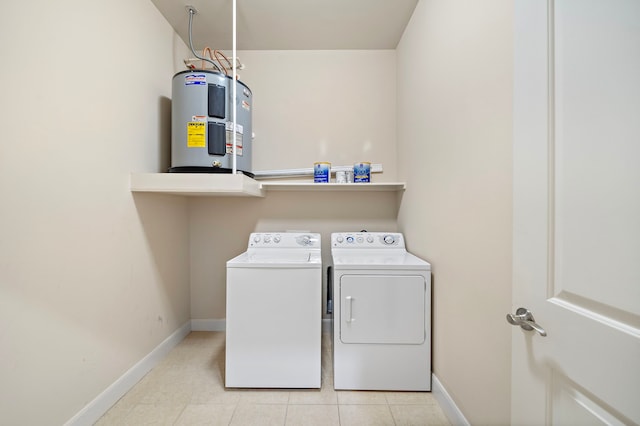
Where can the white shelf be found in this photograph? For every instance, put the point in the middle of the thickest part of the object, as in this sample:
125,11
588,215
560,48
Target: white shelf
217,185
196,184
297,186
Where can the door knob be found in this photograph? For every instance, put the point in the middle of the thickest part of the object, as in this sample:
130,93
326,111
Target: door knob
525,320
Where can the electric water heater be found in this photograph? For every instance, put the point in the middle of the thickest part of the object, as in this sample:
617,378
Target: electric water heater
202,123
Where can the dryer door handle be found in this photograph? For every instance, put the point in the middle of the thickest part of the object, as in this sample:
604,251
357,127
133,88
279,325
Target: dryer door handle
349,307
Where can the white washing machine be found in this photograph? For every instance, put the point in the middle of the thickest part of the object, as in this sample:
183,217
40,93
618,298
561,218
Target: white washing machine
381,313
274,320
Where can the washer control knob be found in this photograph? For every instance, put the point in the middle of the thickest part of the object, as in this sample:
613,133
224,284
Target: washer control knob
276,239
369,239
360,239
340,239
389,239
267,238
256,238
306,240
350,239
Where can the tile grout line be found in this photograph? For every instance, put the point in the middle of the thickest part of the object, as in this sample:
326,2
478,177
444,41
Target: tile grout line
175,422
286,409
235,408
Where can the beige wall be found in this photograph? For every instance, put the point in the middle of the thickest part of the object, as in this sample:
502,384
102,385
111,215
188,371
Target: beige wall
91,278
309,106
337,106
220,230
454,151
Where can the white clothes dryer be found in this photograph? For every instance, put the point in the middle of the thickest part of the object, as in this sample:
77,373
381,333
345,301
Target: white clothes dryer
274,319
381,313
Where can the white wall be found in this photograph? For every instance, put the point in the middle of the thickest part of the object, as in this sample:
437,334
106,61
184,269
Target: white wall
454,151
309,106
91,277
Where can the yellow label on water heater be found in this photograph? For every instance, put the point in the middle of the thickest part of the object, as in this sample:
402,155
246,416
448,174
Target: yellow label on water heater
196,134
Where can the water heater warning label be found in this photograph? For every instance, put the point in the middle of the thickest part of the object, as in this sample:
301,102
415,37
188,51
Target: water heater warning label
238,144
239,132
196,134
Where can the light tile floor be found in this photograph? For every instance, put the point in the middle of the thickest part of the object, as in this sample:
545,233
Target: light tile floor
187,388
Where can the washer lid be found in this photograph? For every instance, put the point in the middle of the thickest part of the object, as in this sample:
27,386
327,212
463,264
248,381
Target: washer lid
277,259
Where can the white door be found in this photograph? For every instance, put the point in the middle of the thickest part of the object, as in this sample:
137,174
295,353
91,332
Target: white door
385,309
577,211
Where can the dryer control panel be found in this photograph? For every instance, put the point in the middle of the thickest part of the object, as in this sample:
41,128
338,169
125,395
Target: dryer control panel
363,240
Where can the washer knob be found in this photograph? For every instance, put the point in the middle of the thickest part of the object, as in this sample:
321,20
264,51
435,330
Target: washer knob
369,239
306,240
339,239
349,239
267,238
389,239
276,239
256,238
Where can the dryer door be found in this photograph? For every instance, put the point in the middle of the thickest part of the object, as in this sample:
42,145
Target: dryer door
387,309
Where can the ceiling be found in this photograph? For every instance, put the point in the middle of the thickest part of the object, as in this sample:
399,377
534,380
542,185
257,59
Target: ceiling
291,24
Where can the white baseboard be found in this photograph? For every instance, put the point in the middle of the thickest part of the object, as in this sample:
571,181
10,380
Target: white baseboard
96,408
221,325
208,325
449,407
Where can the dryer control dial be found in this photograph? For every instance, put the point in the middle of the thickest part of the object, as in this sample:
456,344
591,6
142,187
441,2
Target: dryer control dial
389,239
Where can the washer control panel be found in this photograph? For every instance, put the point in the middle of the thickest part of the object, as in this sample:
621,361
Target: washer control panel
284,240
361,240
